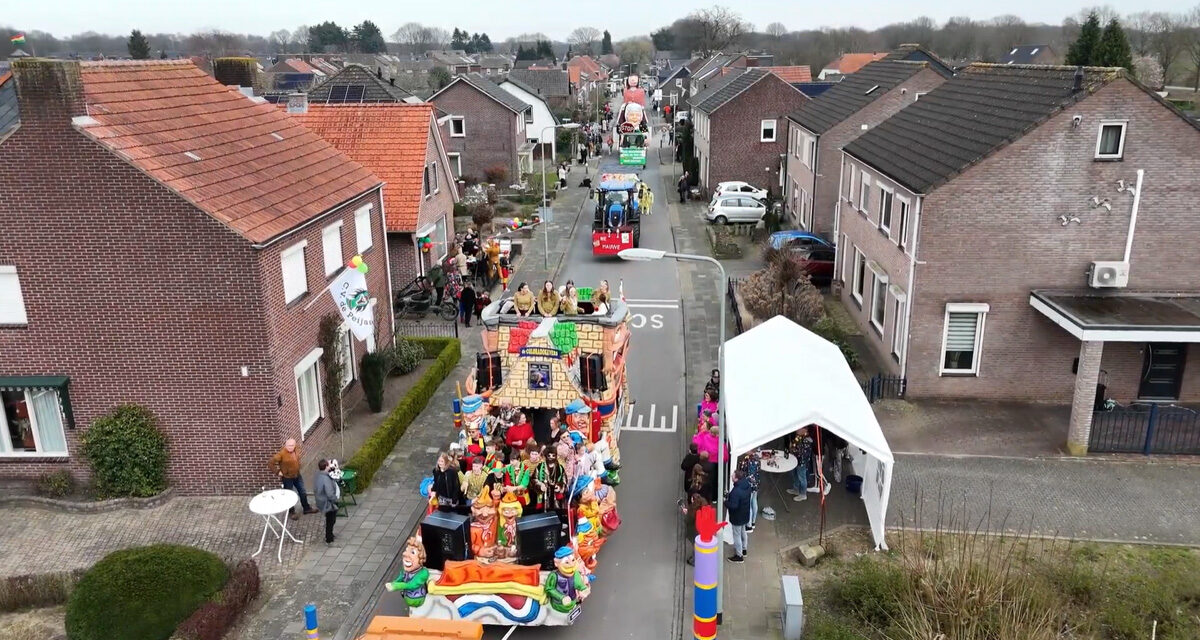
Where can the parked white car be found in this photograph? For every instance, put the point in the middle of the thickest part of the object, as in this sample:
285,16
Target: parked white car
741,188
735,208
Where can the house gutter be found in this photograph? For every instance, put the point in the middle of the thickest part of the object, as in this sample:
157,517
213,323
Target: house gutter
318,219
912,279
837,222
1137,200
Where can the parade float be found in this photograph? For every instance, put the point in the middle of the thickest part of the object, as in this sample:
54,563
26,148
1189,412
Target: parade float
617,222
525,551
632,124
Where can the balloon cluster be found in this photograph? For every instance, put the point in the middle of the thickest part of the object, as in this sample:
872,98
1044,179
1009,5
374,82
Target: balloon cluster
357,263
424,243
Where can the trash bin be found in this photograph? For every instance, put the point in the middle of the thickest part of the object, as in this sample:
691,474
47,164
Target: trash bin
793,608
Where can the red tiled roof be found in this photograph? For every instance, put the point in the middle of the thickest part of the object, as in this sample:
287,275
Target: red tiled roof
217,148
391,139
851,62
574,74
5,76
301,66
795,73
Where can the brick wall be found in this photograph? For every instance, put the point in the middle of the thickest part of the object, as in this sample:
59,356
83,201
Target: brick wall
830,143
492,137
138,297
292,329
993,234
737,153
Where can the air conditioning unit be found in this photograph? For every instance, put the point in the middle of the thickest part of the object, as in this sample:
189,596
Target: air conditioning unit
1105,275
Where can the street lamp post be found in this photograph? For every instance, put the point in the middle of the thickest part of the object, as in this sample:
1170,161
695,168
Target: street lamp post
646,255
546,223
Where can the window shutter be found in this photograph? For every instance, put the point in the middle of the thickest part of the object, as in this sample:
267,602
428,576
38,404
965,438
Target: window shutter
12,303
362,229
960,335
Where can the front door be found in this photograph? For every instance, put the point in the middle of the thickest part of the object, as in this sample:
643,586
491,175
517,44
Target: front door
1162,371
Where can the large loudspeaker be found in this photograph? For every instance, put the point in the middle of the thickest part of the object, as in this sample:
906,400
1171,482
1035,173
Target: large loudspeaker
447,536
488,374
591,372
538,537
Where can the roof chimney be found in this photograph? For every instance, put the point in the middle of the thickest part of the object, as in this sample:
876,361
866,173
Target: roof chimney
392,81
378,72
1078,85
51,90
297,103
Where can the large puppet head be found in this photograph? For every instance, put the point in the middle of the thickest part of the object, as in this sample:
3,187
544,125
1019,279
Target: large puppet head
565,561
510,508
413,557
483,509
632,81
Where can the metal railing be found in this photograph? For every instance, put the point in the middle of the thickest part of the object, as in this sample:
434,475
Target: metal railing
1147,429
430,328
733,305
881,387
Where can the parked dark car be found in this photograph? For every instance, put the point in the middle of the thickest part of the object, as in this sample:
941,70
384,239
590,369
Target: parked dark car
796,238
816,260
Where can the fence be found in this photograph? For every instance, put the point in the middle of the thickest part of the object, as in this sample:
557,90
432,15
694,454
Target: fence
426,328
733,305
1147,429
881,387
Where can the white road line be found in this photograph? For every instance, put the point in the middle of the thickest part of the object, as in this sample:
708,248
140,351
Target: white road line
675,300
653,306
663,423
661,427
674,418
651,416
640,421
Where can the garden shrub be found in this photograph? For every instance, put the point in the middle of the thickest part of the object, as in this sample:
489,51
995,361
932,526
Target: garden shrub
829,329
142,593
505,206
127,453
482,214
56,484
372,370
869,591
407,356
370,456
37,590
213,619
461,210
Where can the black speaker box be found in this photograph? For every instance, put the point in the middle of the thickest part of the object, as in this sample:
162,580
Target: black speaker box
591,372
538,537
447,536
488,373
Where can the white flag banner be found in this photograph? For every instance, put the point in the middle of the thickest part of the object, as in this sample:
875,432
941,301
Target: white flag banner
349,293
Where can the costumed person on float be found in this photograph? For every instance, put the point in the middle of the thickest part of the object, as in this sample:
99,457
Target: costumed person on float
483,528
604,452
412,583
473,442
506,528
516,480
565,586
536,501
475,481
552,482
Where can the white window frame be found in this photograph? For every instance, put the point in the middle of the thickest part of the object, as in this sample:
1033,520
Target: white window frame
904,211
885,223
456,162
6,445
364,237
347,353
850,184
899,331
331,247
12,301
1124,124
462,126
444,244
678,83
284,256
811,151
981,310
879,283
864,194
841,255
433,176
310,362
762,130
860,274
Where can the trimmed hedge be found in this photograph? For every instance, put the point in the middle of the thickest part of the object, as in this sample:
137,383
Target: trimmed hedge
37,590
214,618
143,593
370,456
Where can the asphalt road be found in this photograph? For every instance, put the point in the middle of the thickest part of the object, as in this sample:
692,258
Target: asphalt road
641,577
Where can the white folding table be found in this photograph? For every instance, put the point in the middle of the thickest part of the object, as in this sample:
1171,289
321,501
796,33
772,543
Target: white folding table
268,505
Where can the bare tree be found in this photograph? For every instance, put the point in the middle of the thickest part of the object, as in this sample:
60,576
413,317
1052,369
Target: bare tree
1011,30
418,37
715,28
1193,46
300,37
776,30
584,38
958,39
1137,30
1168,38
638,50
280,40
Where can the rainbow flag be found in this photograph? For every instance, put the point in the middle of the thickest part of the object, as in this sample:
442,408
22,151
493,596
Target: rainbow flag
18,39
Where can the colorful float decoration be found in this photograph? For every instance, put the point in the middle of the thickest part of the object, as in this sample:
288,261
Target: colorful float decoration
569,366
424,243
632,128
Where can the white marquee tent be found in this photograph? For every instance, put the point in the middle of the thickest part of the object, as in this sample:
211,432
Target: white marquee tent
779,377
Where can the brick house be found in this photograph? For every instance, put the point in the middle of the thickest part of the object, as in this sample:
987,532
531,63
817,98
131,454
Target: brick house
487,126
400,143
985,229
167,242
674,85
817,131
738,133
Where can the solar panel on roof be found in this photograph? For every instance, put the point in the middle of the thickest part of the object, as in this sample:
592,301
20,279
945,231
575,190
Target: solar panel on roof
337,93
355,92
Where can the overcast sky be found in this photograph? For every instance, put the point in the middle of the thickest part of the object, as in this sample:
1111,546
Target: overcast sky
504,18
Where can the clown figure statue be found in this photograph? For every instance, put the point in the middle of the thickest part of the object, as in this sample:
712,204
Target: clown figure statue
412,583
506,528
565,586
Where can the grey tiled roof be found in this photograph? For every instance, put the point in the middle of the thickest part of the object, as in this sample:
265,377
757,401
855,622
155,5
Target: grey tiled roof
545,83
727,88
918,53
9,115
352,76
1023,54
847,97
967,118
492,90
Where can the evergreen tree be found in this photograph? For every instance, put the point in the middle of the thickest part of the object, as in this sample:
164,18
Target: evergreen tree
1083,51
439,77
606,43
458,40
473,45
327,36
544,50
485,43
1113,50
368,38
138,45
